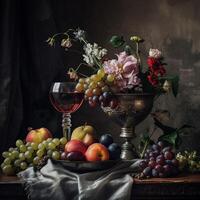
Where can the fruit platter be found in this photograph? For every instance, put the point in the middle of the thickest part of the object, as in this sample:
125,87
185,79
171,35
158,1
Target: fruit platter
85,166
83,153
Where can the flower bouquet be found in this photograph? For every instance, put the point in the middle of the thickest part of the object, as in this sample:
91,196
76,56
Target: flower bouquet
123,87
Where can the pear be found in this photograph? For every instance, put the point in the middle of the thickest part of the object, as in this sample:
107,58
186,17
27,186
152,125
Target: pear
84,133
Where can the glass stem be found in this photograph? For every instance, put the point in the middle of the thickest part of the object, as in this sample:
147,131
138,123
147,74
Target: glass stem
66,125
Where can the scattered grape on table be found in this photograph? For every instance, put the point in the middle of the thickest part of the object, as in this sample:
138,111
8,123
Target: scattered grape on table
189,161
159,161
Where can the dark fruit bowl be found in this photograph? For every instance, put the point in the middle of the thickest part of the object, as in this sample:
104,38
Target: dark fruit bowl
84,166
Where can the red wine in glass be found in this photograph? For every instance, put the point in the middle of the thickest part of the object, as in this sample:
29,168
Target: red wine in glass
66,100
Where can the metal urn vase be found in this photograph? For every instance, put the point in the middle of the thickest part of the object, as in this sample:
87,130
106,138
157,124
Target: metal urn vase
130,111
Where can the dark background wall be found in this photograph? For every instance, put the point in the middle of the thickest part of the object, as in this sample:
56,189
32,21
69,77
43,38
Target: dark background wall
170,25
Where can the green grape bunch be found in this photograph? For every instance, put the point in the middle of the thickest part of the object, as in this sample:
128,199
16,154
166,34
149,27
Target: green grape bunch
189,161
29,154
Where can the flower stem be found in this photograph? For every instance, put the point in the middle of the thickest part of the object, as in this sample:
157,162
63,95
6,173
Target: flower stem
85,65
63,33
83,75
147,142
144,149
58,34
138,56
84,41
97,63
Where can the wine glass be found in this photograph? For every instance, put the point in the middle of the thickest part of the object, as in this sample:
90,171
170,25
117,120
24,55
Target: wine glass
66,100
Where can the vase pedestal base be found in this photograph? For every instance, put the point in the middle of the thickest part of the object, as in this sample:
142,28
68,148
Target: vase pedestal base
128,150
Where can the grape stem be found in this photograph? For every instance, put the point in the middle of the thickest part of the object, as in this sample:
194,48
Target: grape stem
147,142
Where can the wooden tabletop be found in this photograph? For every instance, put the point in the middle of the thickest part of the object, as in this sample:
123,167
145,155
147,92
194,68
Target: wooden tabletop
182,187
9,179
191,178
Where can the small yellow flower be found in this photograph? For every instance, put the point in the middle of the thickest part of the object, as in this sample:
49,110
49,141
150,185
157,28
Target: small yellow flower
136,39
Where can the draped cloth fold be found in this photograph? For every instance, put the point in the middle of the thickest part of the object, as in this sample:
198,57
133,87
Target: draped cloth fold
54,181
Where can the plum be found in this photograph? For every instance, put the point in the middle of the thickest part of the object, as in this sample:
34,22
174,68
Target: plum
114,151
75,156
106,140
63,156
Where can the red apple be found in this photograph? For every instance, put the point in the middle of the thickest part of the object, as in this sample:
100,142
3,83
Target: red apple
38,135
97,152
75,145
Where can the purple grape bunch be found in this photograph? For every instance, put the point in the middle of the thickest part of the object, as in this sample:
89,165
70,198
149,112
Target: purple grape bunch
159,161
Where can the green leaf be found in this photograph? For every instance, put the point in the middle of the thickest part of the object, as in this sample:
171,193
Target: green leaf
185,126
183,130
175,85
166,129
172,138
117,41
143,139
128,49
146,85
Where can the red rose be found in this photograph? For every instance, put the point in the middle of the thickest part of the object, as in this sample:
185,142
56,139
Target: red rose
155,66
160,71
151,61
153,79
156,69
152,68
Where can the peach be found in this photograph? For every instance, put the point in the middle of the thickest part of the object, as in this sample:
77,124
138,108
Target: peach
97,152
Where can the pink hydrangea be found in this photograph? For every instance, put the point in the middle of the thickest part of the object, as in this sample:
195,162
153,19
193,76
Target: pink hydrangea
125,69
111,67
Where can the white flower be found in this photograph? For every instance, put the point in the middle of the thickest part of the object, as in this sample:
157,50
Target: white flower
66,43
88,59
99,53
88,48
103,52
79,34
93,52
95,46
155,53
